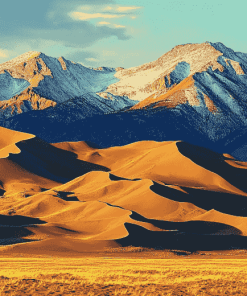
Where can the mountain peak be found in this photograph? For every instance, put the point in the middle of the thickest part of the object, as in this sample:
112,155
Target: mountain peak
35,81
138,83
18,60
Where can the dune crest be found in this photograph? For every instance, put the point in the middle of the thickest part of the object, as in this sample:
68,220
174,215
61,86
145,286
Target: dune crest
76,194
9,139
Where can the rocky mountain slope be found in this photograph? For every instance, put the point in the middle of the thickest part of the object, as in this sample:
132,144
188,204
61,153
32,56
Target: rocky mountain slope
34,81
195,93
211,79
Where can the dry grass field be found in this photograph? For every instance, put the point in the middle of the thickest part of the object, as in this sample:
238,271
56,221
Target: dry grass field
122,276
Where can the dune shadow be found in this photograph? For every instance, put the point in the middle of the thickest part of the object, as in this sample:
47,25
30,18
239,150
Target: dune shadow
66,195
14,241
141,237
43,189
93,145
2,191
14,231
182,253
190,227
67,229
111,205
117,178
17,220
51,162
214,162
231,204
14,234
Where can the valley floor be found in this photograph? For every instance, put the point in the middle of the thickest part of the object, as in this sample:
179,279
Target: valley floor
129,272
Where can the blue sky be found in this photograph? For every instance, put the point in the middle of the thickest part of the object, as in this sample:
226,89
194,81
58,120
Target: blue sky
114,33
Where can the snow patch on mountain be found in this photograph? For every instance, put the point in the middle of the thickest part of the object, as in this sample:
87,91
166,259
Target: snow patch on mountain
139,83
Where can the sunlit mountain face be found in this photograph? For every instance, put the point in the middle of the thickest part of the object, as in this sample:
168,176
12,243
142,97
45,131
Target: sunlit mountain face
150,156
34,81
195,93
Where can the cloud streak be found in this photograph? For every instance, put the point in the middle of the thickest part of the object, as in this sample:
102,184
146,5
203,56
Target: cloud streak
119,26
82,16
125,9
104,23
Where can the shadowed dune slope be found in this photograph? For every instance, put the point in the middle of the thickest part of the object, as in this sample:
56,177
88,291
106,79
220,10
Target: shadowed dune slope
29,164
130,195
174,163
167,194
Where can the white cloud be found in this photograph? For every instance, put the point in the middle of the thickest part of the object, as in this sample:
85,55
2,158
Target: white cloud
103,23
133,17
91,59
118,26
85,16
3,53
122,9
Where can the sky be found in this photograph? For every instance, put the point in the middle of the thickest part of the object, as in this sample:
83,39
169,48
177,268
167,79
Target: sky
117,33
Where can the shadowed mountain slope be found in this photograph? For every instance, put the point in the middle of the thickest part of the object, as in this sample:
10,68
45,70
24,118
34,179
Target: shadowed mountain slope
195,93
34,81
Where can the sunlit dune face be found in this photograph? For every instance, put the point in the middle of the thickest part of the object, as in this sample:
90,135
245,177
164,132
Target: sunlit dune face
159,190
158,162
9,137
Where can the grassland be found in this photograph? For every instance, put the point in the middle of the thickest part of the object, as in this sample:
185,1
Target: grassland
122,276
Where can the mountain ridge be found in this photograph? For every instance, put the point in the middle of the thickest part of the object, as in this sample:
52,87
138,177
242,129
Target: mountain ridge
194,93
40,82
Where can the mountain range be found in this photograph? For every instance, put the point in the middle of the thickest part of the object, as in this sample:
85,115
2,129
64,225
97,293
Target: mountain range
195,93
150,156
34,81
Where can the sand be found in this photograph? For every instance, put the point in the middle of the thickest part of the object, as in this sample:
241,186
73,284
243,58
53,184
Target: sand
72,198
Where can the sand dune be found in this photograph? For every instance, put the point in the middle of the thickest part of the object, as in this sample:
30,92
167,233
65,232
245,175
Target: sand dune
75,197
9,137
215,216
28,164
167,162
127,194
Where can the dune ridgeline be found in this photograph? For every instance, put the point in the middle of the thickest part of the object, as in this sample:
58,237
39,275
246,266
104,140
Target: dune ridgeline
73,197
